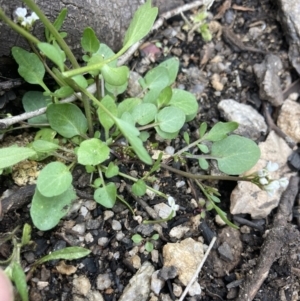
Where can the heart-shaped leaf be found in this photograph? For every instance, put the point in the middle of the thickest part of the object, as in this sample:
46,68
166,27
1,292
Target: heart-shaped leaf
235,154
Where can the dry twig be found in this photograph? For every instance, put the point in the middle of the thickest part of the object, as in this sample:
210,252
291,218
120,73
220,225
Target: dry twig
280,235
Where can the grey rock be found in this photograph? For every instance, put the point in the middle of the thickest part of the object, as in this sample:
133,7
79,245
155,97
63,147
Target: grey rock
108,214
156,283
195,289
93,224
144,230
267,77
289,11
169,272
139,285
225,251
179,231
116,225
251,123
288,119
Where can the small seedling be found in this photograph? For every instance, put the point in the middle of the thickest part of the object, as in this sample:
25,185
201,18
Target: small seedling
138,239
15,271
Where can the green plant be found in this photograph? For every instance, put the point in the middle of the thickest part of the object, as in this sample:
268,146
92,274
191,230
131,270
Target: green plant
14,269
138,239
124,125
199,24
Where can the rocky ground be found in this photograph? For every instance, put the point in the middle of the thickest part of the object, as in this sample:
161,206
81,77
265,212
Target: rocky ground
247,73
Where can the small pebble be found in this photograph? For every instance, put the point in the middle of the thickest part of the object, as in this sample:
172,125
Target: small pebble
156,283
177,290
170,150
136,261
180,184
80,229
154,256
108,214
116,225
195,289
102,241
93,224
81,285
83,211
103,282
219,221
91,205
120,236
89,238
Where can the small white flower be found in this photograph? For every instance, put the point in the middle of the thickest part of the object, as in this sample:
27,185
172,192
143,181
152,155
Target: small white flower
172,204
272,166
272,187
284,182
20,17
262,173
20,13
32,18
263,181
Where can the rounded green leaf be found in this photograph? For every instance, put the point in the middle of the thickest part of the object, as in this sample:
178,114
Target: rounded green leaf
115,76
89,40
67,119
110,104
30,66
144,113
235,155
203,163
155,236
139,188
136,238
171,119
106,195
54,179
47,212
112,170
157,78
165,135
185,101
92,152
149,246
127,105
203,148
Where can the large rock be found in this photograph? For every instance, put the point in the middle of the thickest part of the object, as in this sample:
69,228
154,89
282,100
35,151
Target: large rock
185,257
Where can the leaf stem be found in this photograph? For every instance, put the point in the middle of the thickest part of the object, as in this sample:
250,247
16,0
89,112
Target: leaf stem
186,148
203,177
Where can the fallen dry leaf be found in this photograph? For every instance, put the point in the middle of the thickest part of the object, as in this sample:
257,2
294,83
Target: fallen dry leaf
66,269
